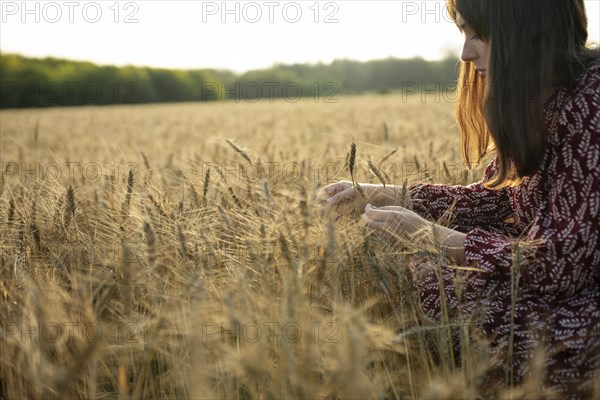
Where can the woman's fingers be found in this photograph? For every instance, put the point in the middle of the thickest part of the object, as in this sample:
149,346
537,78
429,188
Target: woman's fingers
387,220
337,194
373,223
376,215
346,195
323,194
379,218
394,218
384,213
331,190
391,208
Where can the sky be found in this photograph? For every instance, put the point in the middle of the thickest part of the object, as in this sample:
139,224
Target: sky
234,35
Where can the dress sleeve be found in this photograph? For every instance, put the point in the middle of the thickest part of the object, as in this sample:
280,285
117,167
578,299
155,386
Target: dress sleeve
561,249
471,206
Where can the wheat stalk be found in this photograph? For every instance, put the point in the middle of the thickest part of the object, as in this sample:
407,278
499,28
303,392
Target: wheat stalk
351,160
391,153
446,170
205,186
70,206
150,243
240,151
157,205
266,191
350,164
194,195
11,210
234,197
182,242
34,228
129,187
376,172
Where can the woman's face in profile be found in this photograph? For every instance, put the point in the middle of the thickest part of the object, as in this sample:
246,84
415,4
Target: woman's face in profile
475,50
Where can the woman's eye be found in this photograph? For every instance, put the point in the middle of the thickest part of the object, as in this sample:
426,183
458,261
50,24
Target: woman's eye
475,37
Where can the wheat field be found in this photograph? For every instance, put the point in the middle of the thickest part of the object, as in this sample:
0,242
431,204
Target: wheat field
177,251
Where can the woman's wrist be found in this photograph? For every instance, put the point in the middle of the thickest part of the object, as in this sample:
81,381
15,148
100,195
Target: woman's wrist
389,196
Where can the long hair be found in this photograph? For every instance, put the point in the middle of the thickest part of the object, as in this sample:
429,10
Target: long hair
535,46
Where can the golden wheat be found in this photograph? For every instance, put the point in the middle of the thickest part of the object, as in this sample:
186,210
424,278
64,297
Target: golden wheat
122,287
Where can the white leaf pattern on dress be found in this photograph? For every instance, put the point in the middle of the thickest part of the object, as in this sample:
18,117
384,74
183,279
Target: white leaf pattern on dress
558,211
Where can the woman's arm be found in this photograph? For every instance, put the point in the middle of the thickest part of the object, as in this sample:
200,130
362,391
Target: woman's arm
470,206
399,224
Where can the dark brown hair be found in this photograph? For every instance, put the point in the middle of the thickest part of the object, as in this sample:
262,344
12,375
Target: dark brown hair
535,46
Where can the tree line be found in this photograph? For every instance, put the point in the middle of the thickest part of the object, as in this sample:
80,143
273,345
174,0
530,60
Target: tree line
35,82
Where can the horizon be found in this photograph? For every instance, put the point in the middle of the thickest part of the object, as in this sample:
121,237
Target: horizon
216,69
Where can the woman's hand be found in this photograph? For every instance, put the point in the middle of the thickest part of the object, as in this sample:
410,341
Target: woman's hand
394,222
400,225
345,199
342,197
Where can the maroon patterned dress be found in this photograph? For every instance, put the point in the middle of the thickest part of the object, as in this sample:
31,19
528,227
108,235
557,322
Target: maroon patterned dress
555,214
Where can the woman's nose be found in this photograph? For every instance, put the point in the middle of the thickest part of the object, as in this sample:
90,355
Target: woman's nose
468,52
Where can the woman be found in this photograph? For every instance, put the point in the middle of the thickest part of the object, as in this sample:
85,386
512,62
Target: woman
529,90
